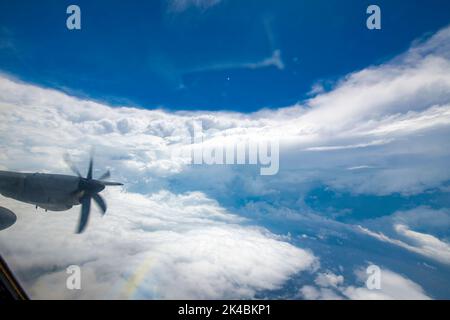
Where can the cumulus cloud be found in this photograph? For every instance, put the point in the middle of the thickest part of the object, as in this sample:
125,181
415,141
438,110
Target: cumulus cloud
393,117
327,287
393,286
330,286
160,246
329,279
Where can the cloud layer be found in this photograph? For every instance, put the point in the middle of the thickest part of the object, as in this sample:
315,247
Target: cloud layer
161,246
176,230
394,286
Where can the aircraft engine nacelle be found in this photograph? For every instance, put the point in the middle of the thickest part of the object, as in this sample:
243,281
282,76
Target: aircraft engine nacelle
49,191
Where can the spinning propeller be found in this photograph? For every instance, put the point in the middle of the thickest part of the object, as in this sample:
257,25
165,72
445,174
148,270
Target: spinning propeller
89,189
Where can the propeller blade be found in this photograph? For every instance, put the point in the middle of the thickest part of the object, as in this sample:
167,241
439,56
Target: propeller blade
70,164
105,176
108,183
100,202
85,210
91,164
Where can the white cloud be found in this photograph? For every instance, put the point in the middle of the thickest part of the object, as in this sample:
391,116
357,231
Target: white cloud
423,218
313,293
415,230
161,246
421,243
329,279
393,286
353,146
275,60
310,293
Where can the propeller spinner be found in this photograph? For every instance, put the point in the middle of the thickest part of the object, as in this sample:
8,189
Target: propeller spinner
89,189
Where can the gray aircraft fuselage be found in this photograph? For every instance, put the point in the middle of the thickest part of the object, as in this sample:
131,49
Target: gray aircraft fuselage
55,192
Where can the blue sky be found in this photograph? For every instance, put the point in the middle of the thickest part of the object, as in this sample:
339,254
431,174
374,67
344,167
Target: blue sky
153,55
362,119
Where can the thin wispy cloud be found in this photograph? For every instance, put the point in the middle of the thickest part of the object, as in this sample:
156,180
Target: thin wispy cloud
182,5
